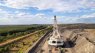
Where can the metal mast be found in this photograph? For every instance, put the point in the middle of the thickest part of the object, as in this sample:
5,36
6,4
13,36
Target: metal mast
55,29
55,39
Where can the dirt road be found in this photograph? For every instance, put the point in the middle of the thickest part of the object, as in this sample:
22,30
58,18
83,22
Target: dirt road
82,45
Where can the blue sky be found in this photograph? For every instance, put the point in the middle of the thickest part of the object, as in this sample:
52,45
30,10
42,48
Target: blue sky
42,11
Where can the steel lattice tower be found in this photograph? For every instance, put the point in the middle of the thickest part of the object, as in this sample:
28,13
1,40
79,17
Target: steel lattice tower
55,39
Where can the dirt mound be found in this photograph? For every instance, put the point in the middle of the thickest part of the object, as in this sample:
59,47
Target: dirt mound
83,46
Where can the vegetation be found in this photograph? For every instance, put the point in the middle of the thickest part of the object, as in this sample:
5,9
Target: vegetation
22,45
78,26
10,32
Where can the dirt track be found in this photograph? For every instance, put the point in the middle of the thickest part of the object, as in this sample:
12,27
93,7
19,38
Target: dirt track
83,42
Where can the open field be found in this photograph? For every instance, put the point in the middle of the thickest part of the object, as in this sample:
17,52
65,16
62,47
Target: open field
22,44
78,26
9,28
13,31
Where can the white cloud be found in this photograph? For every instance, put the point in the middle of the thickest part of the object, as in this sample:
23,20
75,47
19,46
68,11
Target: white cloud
26,18
23,18
55,5
92,15
87,18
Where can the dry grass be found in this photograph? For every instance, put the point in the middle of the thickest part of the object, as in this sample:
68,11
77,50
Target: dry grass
24,44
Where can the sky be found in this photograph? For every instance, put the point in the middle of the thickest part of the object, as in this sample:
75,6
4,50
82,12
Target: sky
42,11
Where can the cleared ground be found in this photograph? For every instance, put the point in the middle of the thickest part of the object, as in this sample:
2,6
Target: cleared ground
76,41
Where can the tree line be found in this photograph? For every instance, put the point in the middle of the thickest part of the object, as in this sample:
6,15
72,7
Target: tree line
19,32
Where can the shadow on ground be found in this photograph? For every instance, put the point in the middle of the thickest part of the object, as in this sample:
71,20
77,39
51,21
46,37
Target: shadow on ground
69,44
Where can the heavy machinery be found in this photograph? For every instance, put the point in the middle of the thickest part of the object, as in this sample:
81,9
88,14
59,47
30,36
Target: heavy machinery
55,39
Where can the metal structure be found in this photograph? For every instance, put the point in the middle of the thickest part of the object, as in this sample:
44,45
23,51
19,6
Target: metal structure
55,39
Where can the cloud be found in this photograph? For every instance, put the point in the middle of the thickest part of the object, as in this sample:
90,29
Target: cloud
26,18
23,18
55,5
40,18
89,16
86,18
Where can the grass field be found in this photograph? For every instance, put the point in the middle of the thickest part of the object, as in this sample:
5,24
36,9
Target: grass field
13,31
20,46
6,28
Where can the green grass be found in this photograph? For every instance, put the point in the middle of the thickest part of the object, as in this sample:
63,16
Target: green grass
7,28
25,43
13,31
